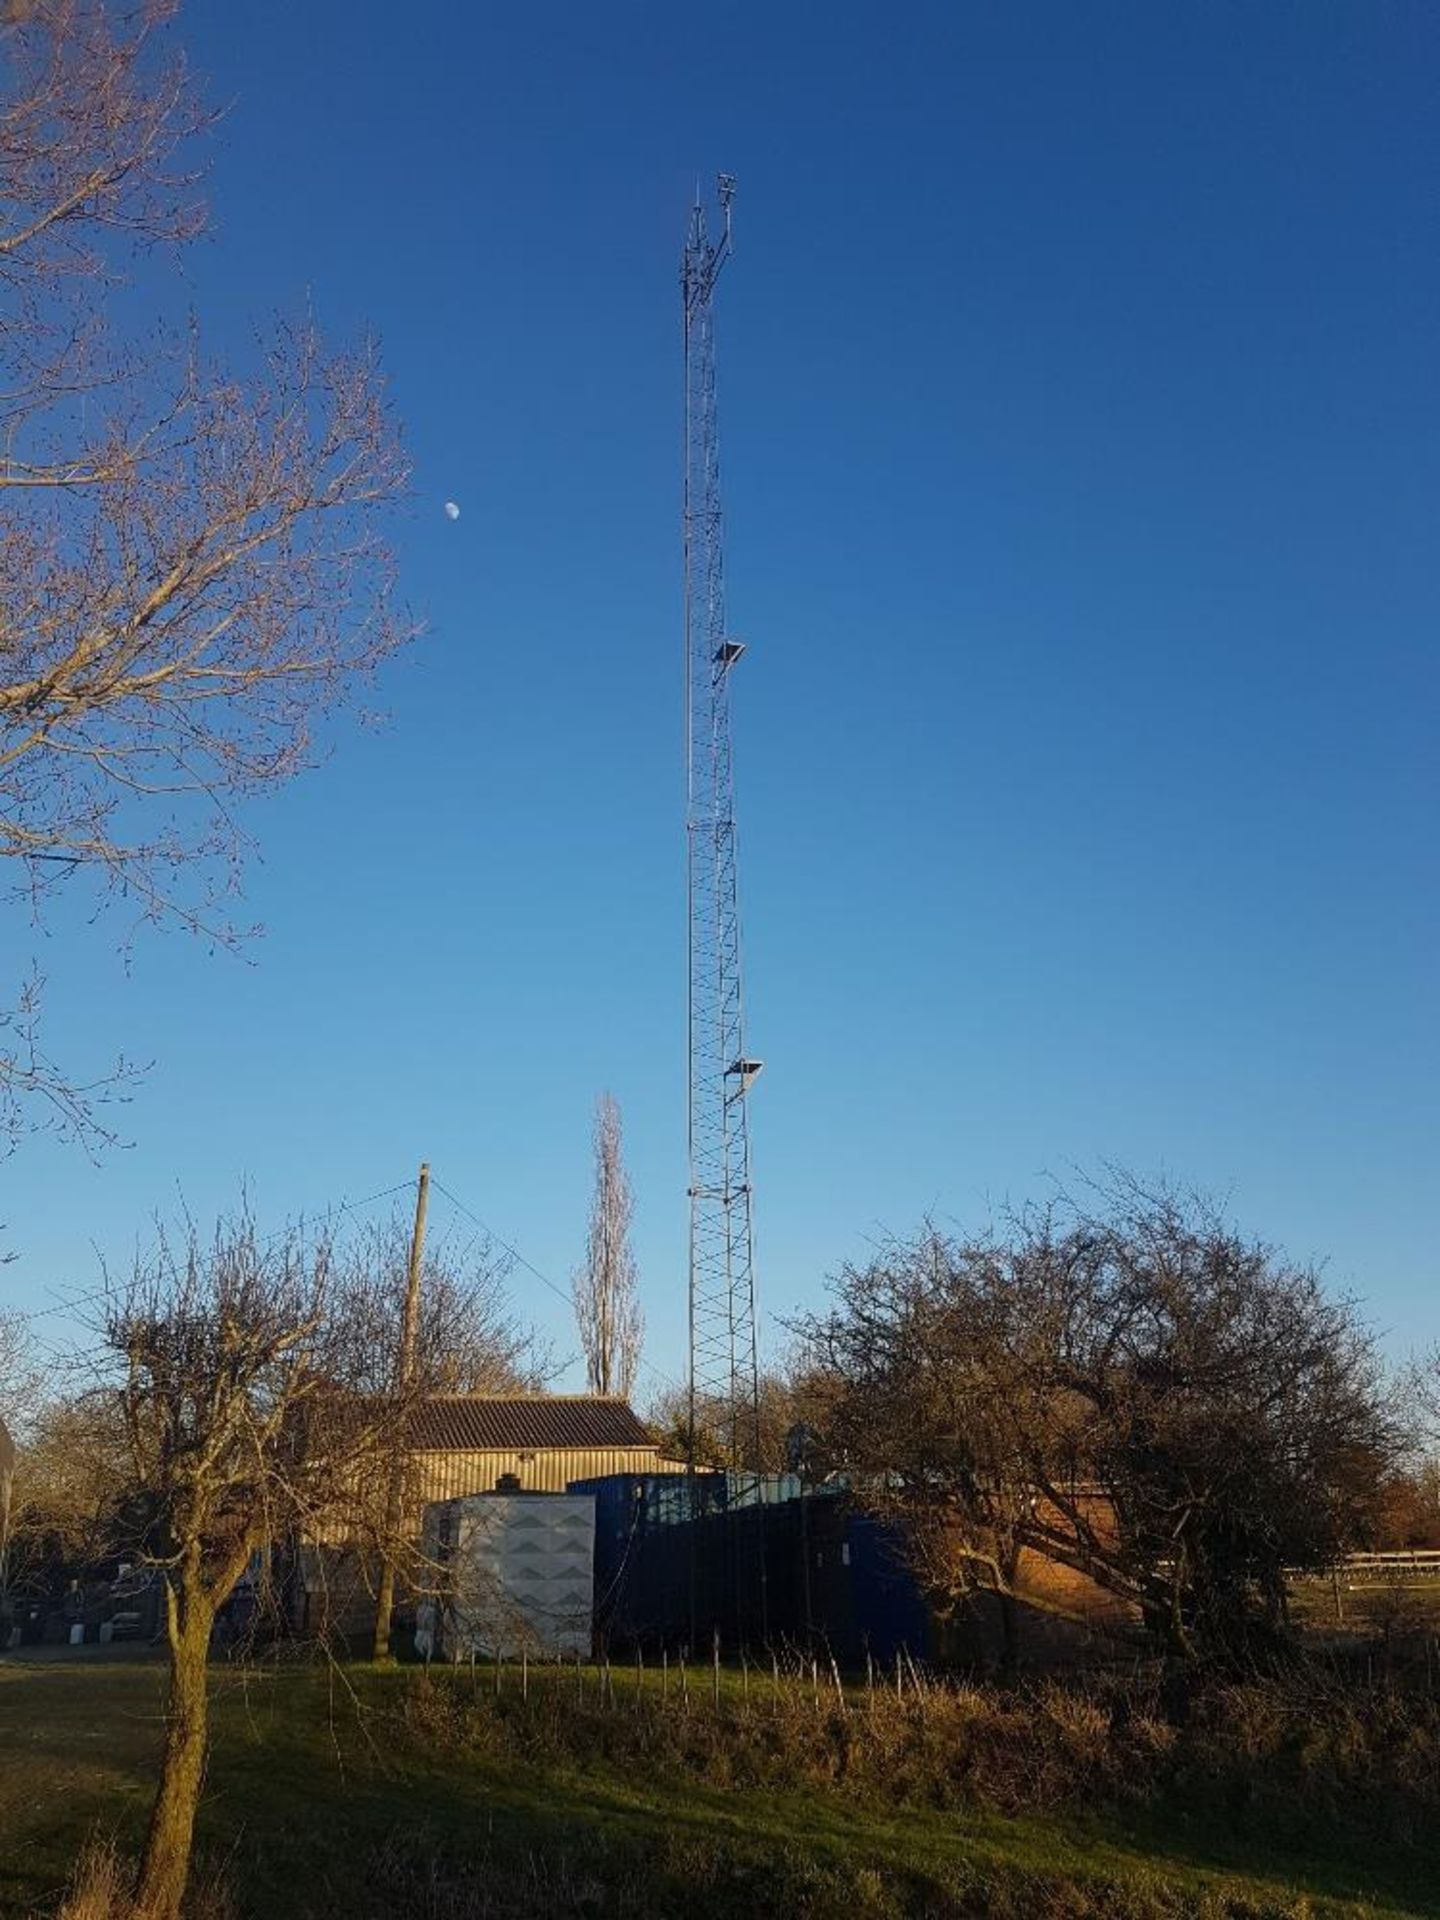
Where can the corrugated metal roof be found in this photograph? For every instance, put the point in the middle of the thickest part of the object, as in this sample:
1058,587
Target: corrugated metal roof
475,1423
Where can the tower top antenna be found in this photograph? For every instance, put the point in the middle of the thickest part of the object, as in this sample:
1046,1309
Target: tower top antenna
705,257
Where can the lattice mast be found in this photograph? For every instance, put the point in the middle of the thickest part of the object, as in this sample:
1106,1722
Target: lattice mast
724,1386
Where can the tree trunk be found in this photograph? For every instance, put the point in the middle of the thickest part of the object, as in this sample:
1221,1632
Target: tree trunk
165,1863
1177,1635
1009,1635
384,1609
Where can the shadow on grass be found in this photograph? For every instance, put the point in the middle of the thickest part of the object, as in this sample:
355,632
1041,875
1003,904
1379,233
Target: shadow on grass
695,1846
316,1811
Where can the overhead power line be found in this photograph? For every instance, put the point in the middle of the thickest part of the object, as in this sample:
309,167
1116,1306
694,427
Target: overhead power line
561,1293
102,1293
336,1212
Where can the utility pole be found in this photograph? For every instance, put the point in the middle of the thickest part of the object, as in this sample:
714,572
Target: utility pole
7,1484
404,1372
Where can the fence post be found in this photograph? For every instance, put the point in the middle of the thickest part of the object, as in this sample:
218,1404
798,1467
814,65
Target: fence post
716,1665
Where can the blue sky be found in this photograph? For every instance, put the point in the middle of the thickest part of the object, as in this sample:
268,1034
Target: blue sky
1080,401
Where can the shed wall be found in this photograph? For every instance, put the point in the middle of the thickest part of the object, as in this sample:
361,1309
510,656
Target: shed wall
450,1476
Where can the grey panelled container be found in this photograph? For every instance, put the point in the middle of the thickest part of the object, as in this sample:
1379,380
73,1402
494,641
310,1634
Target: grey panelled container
517,1573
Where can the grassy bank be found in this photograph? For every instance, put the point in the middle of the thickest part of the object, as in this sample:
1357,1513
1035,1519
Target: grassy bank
386,1794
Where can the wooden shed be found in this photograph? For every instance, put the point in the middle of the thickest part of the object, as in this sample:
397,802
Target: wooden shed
464,1444
527,1443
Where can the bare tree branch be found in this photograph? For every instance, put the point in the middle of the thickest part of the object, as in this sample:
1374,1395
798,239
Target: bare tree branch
192,570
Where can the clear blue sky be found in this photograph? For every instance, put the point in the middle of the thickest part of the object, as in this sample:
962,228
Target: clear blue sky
1080,391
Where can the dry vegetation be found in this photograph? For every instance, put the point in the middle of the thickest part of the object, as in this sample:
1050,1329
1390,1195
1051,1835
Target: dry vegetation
404,1793
1323,1749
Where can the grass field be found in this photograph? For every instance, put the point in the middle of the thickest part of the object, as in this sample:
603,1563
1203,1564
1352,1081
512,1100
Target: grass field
1373,1604
363,1793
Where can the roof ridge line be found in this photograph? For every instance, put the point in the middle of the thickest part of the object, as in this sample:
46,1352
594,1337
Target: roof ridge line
546,1399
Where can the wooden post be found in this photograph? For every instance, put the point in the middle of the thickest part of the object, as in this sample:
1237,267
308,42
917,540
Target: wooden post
405,1368
7,1480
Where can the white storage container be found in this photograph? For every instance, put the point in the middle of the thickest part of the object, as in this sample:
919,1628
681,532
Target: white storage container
512,1572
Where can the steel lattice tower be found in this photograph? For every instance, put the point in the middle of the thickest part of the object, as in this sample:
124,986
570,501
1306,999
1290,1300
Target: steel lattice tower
724,1396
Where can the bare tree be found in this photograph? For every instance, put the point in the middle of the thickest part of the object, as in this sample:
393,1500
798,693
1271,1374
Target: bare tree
467,1338
1423,1388
1409,1515
464,1340
244,1426
1129,1387
22,1380
251,1385
191,567
20,1393
923,1408
605,1289
72,1486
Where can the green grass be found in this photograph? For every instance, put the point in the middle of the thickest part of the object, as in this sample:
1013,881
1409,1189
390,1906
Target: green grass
1370,1604
364,1793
